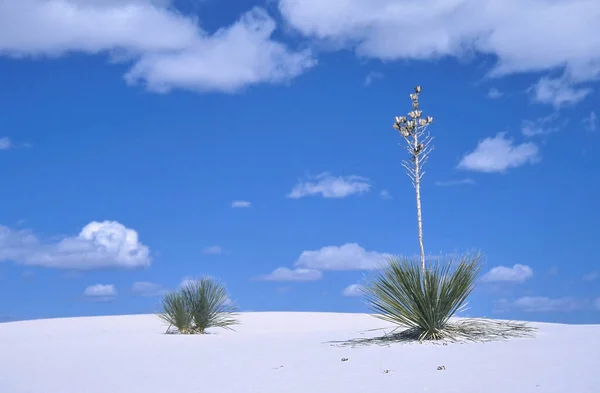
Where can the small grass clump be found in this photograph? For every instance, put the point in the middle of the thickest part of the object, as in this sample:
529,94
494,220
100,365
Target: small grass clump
197,306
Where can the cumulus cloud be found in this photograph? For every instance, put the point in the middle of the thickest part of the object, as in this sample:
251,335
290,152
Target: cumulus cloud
353,290
212,250
498,154
5,143
451,183
349,256
145,288
517,273
240,204
299,275
546,304
329,186
100,292
167,49
98,245
439,28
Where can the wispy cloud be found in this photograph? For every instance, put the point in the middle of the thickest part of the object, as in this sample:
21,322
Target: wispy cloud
494,93
546,304
517,273
499,154
372,77
558,92
353,290
385,194
98,245
589,122
329,186
213,250
592,276
166,49
100,292
241,204
542,126
284,274
147,289
5,143
451,183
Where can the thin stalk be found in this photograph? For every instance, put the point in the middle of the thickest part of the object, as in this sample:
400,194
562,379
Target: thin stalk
418,197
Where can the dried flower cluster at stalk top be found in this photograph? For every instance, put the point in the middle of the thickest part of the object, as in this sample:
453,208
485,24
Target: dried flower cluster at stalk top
414,131
416,126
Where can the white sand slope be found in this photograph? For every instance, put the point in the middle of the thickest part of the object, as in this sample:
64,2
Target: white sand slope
281,353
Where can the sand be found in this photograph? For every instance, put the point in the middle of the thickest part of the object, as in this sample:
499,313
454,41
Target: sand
281,353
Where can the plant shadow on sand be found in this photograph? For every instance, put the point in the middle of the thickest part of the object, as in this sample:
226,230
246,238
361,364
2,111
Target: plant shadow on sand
467,330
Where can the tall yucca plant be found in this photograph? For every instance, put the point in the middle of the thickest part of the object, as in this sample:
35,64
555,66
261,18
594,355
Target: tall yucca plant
197,306
422,301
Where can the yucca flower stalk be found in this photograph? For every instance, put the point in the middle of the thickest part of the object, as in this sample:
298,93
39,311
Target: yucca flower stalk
418,144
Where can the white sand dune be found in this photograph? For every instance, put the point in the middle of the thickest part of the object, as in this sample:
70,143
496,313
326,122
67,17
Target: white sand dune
284,352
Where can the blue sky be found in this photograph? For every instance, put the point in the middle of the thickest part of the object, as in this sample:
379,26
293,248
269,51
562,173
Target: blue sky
146,142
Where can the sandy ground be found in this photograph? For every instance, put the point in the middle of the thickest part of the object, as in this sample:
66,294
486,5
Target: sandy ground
284,352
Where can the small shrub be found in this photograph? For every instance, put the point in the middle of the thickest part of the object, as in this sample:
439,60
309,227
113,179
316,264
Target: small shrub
422,301
197,306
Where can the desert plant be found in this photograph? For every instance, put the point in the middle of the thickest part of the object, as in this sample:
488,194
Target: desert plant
197,306
175,312
423,301
414,131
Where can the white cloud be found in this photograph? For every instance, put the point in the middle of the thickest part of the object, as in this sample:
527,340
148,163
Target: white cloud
546,304
592,276
425,30
99,245
589,122
238,204
100,292
5,143
494,93
558,92
517,273
541,126
349,256
212,250
299,275
498,154
385,194
330,186
145,288
459,182
597,303
167,49
372,77
353,290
